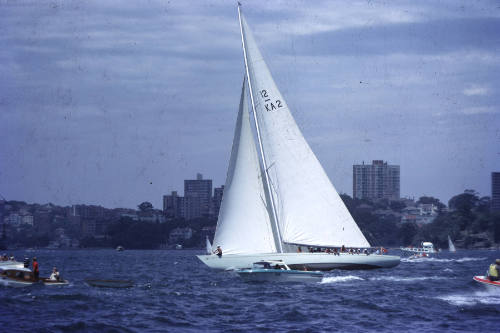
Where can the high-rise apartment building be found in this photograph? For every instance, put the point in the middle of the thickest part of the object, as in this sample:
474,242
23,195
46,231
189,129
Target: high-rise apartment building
495,191
198,188
217,200
172,205
378,180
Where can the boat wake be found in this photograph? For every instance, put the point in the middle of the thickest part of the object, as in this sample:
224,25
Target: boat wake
405,279
486,297
335,279
465,259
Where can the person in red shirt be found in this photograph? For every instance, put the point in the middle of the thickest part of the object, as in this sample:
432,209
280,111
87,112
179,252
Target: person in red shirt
36,271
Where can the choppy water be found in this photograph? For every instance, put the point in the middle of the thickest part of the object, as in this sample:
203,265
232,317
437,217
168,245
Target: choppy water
175,292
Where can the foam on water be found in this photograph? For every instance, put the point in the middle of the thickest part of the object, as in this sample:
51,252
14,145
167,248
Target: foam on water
405,279
335,279
486,297
465,259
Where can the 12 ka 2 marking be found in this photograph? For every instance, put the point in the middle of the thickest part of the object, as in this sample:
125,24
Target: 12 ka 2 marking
270,106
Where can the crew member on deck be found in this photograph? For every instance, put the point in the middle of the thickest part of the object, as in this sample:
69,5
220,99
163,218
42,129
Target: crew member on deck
36,271
55,275
218,251
494,270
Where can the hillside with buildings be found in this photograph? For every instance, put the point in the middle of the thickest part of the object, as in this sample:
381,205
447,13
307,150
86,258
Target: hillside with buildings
385,218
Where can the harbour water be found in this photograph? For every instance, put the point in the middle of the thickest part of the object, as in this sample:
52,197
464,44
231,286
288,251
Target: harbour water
174,292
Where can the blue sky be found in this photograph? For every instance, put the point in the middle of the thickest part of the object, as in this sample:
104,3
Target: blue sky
115,103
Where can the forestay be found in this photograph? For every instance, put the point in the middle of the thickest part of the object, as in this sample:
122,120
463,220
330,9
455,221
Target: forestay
308,208
243,226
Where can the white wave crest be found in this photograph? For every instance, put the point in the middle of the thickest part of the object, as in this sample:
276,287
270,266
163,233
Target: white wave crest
335,279
489,297
405,279
465,259
470,259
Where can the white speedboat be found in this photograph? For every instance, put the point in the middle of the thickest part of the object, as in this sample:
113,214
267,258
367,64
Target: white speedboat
278,271
277,196
17,277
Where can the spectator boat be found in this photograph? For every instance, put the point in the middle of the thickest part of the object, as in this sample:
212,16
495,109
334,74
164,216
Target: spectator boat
17,277
484,280
278,271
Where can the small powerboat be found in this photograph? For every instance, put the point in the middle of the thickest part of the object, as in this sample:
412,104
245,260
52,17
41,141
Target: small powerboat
278,271
17,277
109,283
49,282
484,280
120,248
23,277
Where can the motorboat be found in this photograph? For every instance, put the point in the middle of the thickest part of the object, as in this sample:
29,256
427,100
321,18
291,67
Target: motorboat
120,248
23,277
278,271
484,280
109,283
49,282
424,251
17,277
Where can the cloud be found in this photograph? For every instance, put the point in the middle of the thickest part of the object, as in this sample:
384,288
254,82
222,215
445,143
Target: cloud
480,110
476,90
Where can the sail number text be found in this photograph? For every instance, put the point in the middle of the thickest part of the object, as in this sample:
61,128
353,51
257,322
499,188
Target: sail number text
268,104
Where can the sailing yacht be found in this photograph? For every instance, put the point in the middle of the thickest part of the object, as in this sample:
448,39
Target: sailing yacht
277,197
451,246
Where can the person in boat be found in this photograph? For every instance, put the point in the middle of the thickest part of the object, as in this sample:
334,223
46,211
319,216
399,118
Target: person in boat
342,249
218,251
55,275
299,250
11,258
26,262
335,252
36,269
494,271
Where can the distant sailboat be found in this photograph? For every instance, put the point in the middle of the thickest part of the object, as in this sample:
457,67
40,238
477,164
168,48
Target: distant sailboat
451,246
209,246
277,197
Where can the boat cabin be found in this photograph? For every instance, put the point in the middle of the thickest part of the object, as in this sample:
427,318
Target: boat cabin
271,264
19,274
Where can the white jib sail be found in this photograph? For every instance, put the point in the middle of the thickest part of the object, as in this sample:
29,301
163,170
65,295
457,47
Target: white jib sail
451,246
209,246
243,226
308,207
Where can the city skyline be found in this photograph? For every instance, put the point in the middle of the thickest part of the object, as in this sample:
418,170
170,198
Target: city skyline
112,105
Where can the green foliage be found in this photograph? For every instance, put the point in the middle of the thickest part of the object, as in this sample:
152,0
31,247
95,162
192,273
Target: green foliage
145,206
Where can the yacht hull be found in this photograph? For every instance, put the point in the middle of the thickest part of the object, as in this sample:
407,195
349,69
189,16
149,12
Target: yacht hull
311,261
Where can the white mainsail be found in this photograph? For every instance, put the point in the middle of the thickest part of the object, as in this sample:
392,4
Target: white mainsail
308,208
451,246
243,225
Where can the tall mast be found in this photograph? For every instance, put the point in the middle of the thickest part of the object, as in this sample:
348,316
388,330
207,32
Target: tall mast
261,149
